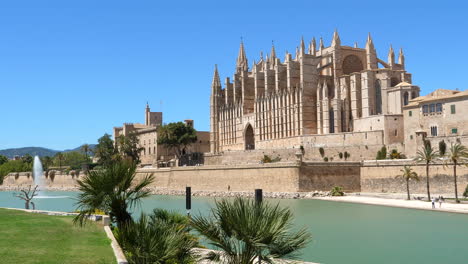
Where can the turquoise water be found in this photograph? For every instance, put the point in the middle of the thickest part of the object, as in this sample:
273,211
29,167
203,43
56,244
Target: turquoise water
342,232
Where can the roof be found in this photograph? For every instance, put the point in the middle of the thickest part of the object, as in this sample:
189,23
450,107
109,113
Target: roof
438,94
403,84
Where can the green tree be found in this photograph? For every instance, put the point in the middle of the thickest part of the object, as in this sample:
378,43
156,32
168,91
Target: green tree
105,150
442,147
3,159
129,148
47,161
161,237
457,153
13,166
86,149
408,174
427,155
177,136
27,158
246,231
113,190
382,153
59,159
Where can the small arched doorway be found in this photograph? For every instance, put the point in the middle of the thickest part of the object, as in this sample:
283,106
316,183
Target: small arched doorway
249,138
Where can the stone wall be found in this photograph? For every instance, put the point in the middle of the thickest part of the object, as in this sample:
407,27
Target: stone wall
380,176
324,176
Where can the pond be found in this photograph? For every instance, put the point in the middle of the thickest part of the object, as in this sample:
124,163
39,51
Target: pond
342,232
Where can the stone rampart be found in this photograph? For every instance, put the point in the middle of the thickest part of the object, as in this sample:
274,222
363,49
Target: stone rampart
380,176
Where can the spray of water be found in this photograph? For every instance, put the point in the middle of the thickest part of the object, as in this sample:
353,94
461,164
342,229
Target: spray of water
38,174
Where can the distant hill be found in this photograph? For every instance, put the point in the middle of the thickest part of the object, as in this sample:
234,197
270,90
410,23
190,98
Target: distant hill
33,151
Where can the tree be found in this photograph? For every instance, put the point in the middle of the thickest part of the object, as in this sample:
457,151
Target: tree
408,174
442,147
246,230
382,153
3,159
46,162
427,155
105,150
129,148
85,148
27,158
113,190
161,237
27,196
177,136
457,154
59,159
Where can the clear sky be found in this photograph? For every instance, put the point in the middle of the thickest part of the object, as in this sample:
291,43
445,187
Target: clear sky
72,70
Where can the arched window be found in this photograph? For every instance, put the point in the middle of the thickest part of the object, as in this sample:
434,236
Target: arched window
249,138
413,95
332,121
378,98
405,98
149,150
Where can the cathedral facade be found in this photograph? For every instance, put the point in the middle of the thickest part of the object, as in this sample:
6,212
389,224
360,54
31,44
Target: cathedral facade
310,98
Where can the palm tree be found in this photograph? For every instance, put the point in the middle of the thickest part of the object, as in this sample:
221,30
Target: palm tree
85,148
161,237
60,159
408,174
427,155
247,231
457,153
113,190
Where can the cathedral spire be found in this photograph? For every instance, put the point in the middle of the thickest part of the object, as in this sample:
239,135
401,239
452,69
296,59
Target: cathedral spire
371,54
336,39
369,43
272,53
242,64
391,56
302,46
401,58
312,47
216,83
321,46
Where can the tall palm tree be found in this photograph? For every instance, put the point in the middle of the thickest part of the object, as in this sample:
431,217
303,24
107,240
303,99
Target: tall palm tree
162,237
427,154
408,174
457,154
86,148
113,190
247,231
60,158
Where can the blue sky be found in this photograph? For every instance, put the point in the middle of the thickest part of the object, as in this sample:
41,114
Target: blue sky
72,70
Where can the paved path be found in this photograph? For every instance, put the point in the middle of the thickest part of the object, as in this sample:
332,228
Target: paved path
422,205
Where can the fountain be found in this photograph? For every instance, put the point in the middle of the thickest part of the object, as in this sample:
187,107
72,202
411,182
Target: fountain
38,174
39,180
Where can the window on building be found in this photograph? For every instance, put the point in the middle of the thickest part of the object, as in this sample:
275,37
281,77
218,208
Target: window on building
405,98
425,109
432,108
439,107
396,133
410,113
434,131
144,142
452,109
454,130
411,136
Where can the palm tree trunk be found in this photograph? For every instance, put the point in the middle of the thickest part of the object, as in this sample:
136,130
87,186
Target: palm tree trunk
407,188
427,182
455,180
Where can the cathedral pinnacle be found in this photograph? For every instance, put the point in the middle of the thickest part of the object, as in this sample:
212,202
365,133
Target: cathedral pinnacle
242,64
302,46
321,46
369,43
312,47
401,58
216,84
336,39
391,56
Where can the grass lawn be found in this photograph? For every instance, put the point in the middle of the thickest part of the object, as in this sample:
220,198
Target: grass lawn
36,238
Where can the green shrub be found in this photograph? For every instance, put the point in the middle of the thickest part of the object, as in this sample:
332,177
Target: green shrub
337,191
266,159
382,153
340,155
442,147
302,149
465,193
346,155
325,159
322,152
